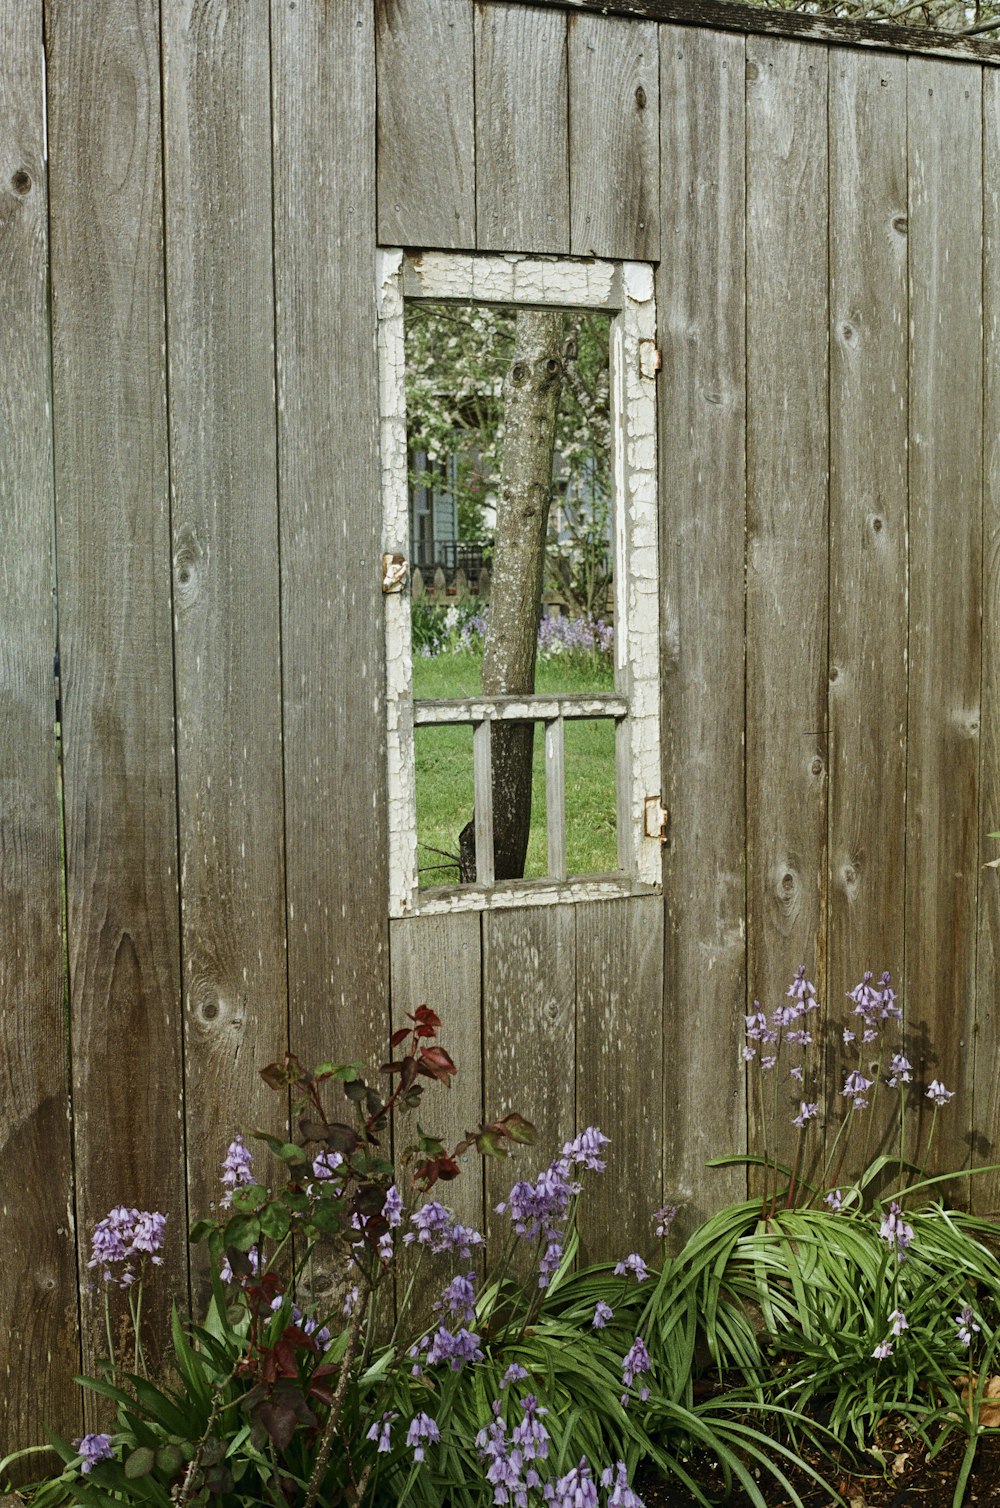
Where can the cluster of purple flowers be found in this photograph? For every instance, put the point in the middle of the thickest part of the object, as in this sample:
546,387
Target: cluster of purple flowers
635,1364
897,1320
512,1472
236,1169
967,1326
896,1233
781,1029
436,1226
575,636
306,1323
455,1347
538,1210
125,1238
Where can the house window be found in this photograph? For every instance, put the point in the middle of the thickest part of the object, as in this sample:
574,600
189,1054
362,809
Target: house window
496,748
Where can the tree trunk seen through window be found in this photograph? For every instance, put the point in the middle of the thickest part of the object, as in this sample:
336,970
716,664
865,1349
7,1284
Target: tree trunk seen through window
531,393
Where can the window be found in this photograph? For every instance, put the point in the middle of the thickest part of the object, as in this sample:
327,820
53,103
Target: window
615,719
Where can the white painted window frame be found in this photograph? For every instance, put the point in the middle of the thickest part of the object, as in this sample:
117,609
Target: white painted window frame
624,290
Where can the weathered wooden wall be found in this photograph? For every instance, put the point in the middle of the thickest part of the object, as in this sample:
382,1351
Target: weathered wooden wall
188,401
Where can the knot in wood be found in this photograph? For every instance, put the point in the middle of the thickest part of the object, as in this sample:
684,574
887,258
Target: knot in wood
21,181
640,98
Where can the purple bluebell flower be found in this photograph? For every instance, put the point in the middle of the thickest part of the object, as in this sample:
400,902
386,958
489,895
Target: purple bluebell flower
422,1427
635,1364
351,1300
620,1494
456,1349
632,1263
796,1073
392,1209
92,1450
939,1094
748,1054
586,1149
834,1199
895,1231
602,1313
799,1038
530,1436
577,1489
803,990
807,1112
967,1326
125,1234
867,999
889,1009
459,1297
856,1087
237,1169
514,1373
325,1164
769,1061
897,1320
900,1071
849,1036
756,1024
882,1350
436,1226
381,1433
665,1218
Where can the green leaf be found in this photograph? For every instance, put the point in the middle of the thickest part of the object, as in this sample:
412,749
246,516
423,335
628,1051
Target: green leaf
140,1463
275,1222
201,1230
243,1231
249,1197
169,1460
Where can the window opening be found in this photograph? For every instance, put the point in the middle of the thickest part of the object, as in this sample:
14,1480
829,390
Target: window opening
519,467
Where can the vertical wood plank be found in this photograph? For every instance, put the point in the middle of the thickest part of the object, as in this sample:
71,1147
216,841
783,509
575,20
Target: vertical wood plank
113,566
38,1302
555,797
426,138
225,536
619,1057
333,640
787,544
522,144
436,960
868,533
986,1101
942,854
614,145
702,448
529,1032
482,765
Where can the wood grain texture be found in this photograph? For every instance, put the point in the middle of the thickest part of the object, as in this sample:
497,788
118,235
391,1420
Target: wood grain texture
942,841
226,593
38,1310
113,565
426,134
437,961
754,20
868,534
333,638
986,1093
614,121
619,1057
522,146
529,1034
786,517
702,420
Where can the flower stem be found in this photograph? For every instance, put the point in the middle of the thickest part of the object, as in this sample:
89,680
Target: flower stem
326,1439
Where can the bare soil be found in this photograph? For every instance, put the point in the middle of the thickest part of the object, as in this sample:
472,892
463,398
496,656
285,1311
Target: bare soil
904,1478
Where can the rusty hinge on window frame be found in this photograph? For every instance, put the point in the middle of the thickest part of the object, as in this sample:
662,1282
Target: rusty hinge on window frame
394,569
650,358
657,819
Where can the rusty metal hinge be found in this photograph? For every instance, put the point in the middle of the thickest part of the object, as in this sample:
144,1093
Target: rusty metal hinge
650,358
657,819
394,569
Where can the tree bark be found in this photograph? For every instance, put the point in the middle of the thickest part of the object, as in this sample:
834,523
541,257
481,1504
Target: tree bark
531,393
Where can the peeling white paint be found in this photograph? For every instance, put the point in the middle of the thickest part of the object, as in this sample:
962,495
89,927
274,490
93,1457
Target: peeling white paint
626,290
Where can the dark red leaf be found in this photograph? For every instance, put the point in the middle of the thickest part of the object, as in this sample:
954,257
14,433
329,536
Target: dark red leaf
279,1421
410,1071
400,1036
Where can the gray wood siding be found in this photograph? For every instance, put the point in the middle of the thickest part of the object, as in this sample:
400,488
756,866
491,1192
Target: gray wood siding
825,225
38,1311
